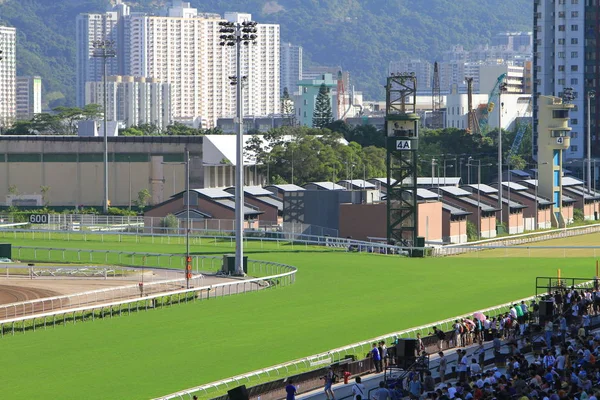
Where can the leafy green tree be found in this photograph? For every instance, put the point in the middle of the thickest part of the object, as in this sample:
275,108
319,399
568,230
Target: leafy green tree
322,115
21,128
45,190
179,129
142,199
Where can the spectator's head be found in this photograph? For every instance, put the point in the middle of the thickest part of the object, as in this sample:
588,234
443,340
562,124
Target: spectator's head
291,381
382,384
374,345
441,354
358,379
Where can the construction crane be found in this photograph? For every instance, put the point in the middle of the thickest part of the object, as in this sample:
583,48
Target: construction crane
436,100
472,124
483,120
522,126
341,97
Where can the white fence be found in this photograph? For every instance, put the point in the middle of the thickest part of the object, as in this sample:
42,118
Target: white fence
285,277
334,355
107,295
515,240
260,238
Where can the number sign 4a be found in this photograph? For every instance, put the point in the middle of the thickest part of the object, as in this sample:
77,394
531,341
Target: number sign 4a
403,145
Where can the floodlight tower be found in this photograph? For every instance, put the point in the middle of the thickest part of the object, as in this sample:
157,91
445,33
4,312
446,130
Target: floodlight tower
402,131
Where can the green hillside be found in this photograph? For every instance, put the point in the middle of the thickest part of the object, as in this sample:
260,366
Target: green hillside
361,36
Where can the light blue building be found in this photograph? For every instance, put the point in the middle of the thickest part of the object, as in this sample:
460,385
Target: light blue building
304,103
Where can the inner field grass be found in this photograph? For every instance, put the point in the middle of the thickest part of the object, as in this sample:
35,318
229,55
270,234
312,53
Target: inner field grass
338,298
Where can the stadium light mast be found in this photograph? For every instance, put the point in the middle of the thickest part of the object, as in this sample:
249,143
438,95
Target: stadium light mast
104,49
238,34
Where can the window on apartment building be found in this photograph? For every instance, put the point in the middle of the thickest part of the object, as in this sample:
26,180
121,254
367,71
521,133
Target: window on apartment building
561,68
561,14
561,41
561,28
574,121
561,54
574,27
573,149
574,135
574,67
574,1
574,14
574,41
574,54
561,81
561,1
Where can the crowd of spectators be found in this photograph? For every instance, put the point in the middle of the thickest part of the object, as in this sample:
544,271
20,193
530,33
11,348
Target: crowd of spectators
562,363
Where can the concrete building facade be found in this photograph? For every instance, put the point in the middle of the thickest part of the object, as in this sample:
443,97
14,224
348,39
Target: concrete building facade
554,139
29,97
304,103
94,27
134,101
290,67
423,70
565,49
8,76
183,48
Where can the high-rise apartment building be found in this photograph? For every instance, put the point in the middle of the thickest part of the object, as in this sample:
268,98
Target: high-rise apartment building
182,48
134,101
8,78
566,55
422,69
29,96
290,67
95,27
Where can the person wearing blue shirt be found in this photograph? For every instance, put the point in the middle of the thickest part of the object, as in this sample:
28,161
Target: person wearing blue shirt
290,389
376,358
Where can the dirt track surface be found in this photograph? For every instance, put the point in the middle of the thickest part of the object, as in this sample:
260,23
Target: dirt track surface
22,289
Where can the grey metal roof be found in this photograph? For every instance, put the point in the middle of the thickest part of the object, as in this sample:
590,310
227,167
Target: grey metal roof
570,181
326,185
487,189
257,191
540,200
514,186
582,192
455,210
519,172
511,204
359,183
231,204
438,181
287,187
484,206
427,194
213,193
567,199
531,182
271,200
455,191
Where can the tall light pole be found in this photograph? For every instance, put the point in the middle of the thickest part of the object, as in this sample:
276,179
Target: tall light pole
502,88
104,49
238,34
590,95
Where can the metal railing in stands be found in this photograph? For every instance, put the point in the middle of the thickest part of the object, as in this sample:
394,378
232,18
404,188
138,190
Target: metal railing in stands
285,275
337,354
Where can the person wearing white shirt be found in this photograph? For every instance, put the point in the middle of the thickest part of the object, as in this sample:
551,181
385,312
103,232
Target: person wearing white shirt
475,368
358,389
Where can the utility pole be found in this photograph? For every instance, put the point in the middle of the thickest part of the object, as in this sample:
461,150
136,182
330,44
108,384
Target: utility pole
238,34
